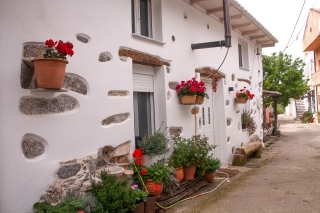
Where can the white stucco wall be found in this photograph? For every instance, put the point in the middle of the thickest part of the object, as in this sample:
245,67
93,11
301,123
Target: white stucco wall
75,135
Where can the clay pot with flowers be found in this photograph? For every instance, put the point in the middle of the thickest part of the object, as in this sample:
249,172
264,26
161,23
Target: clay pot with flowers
192,151
191,90
211,165
50,69
243,96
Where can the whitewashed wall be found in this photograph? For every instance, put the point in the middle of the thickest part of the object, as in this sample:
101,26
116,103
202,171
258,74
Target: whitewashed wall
78,134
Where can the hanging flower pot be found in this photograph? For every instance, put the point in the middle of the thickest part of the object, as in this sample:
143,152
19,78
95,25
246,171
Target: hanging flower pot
209,177
189,172
154,188
188,99
50,72
199,100
179,174
240,100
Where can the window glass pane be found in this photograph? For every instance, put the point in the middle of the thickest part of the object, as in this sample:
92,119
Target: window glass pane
143,112
240,55
132,17
209,115
203,117
144,25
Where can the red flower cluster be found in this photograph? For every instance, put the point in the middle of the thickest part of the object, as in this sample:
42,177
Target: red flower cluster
214,83
191,87
138,155
156,187
58,49
244,93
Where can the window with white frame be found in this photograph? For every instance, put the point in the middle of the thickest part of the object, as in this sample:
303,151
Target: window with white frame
243,54
143,101
146,18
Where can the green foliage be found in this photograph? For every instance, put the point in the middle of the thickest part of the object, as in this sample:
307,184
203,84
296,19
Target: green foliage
89,200
245,116
158,173
69,205
193,150
212,164
280,109
113,196
140,195
285,75
307,117
156,144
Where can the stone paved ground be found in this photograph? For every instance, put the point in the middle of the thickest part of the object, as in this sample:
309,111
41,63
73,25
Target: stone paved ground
288,180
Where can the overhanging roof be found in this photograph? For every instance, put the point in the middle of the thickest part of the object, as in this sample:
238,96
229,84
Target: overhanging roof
240,19
266,93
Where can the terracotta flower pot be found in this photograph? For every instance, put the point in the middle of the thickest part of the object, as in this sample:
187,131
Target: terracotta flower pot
154,188
179,174
209,177
189,172
188,99
199,100
140,208
50,72
240,100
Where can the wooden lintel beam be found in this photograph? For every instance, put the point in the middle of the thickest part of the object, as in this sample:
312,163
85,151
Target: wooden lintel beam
264,42
192,2
257,37
250,32
233,17
249,24
218,9
268,45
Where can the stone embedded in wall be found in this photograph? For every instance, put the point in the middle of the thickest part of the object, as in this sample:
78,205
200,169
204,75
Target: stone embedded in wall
209,71
123,58
173,84
30,51
83,38
254,138
227,102
31,147
228,121
244,80
175,130
260,84
118,118
75,83
118,93
110,153
42,106
105,56
195,110
68,170
142,58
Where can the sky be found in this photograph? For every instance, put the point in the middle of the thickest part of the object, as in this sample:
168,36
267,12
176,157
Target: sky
280,17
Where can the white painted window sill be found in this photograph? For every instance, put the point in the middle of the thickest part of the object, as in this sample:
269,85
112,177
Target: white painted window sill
242,68
147,38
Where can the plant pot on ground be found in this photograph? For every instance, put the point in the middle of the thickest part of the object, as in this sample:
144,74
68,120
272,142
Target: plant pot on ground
212,165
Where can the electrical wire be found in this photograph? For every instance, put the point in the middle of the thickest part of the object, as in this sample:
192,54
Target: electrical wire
220,65
295,25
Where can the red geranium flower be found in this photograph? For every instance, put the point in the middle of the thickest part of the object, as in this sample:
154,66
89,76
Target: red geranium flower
50,43
143,171
137,152
156,187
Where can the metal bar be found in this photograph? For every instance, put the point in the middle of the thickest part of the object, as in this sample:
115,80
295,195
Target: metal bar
208,45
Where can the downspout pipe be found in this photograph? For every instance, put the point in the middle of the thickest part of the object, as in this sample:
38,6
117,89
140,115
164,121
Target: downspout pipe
227,32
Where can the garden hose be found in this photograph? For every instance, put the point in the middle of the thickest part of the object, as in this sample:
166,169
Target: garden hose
180,201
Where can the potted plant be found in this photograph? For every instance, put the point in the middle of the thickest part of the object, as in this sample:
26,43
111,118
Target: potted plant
176,161
319,117
212,165
155,144
193,150
140,196
187,91
307,117
245,117
50,69
243,95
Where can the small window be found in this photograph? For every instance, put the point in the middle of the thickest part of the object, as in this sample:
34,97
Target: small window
240,55
243,54
146,18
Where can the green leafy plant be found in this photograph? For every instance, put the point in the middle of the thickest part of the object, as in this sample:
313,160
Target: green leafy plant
245,116
244,93
307,117
69,205
158,173
212,164
155,144
113,196
177,158
192,150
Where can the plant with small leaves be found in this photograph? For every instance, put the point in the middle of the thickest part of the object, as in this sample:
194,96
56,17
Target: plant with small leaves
212,164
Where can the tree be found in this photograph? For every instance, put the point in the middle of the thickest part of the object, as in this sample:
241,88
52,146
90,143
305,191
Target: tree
285,75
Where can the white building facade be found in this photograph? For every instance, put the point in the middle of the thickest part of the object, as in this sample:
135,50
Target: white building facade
129,55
